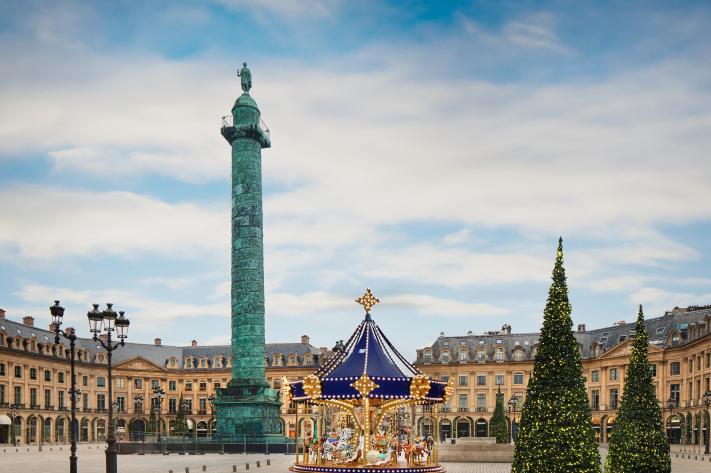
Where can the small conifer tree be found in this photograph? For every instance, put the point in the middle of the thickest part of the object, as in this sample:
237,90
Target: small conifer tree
637,443
499,427
555,433
181,423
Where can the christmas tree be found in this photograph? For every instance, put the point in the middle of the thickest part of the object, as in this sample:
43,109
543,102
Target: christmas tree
638,443
498,426
555,433
181,423
151,424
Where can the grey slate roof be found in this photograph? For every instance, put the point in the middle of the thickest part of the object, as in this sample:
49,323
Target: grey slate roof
157,354
668,330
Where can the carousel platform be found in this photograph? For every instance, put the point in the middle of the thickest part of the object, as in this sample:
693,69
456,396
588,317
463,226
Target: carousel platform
400,468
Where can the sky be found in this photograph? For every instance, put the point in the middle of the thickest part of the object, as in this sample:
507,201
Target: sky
432,151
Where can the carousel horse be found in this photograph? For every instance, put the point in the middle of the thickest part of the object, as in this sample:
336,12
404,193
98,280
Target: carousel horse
416,452
342,450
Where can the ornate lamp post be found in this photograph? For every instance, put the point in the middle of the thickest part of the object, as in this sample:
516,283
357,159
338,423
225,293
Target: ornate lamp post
14,411
707,403
57,312
107,322
158,396
512,406
211,400
138,405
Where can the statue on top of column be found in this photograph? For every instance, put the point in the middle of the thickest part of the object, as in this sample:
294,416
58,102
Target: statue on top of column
246,76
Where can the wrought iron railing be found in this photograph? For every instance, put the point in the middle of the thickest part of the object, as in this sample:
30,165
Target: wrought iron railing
228,121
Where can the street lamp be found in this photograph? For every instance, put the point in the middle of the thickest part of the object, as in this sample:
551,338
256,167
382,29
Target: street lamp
57,312
14,411
707,403
107,322
512,406
158,395
211,400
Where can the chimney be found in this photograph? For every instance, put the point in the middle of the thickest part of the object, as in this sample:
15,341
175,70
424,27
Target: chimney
305,339
156,341
194,343
581,327
2,314
29,321
69,330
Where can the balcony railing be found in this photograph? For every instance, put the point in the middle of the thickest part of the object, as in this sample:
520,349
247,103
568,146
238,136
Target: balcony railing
481,409
228,121
48,407
463,409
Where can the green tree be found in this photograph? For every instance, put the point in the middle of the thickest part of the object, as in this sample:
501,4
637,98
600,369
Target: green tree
555,433
499,427
181,423
638,443
151,424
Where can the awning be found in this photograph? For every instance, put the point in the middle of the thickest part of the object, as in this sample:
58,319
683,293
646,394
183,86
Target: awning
5,420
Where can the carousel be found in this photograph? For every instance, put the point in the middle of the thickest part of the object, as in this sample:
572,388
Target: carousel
361,404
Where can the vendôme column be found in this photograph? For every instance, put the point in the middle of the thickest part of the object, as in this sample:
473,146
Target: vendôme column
247,407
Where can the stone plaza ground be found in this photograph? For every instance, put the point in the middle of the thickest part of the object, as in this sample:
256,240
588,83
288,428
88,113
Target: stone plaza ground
91,460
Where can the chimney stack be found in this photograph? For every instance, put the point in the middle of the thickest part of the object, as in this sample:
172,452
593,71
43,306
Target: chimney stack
2,314
581,327
157,341
52,327
194,343
305,339
28,320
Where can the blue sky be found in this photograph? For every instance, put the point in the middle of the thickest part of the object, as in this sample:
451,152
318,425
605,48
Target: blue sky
432,151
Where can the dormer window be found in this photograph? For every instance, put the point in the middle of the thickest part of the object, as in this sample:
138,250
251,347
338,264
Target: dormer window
481,355
463,355
445,357
499,354
278,359
308,359
427,356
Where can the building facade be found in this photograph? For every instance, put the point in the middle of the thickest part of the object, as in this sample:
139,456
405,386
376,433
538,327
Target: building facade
35,378
480,365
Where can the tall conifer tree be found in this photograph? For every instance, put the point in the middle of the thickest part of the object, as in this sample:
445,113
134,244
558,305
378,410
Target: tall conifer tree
638,443
498,427
555,433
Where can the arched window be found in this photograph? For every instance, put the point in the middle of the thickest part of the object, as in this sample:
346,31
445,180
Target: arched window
308,359
499,354
278,359
463,355
518,354
445,357
481,355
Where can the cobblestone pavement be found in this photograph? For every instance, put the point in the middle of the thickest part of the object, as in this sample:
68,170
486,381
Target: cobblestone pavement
91,460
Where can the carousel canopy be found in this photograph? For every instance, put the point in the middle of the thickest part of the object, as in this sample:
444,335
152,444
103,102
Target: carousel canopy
368,365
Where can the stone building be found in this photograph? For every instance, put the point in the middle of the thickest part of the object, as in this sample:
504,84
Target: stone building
679,352
35,376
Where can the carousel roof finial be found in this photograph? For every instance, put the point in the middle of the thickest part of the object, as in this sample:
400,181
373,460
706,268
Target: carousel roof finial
367,300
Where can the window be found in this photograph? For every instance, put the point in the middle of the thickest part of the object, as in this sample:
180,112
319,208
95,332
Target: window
481,402
18,395
2,394
653,369
47,398
660,330
189,405
595,376
499,354
33,397
60,377
2,369
100,382
203,386
622,338
219,385
675,394
101,401
613,398
155,384
121,403
85,380
691,365
445,378
33,373
188,385
463,402
203,404
427,357
120,382
675,368
84,401
595,399
613,374
481,380
462,356
463,380
172,405
18,371
518,378
481,355
445,357
47,375
138,383
172,385
60,399
499,380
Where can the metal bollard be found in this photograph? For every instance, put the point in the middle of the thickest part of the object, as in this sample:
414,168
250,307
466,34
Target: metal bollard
258,465
269,462
204,468
187,469
246,466
170,471
234,468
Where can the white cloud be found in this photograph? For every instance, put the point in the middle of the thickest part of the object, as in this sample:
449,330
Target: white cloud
457,238
295,9
443,307
44,223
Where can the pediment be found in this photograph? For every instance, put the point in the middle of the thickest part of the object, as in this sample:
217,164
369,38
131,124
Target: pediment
625,349
139,363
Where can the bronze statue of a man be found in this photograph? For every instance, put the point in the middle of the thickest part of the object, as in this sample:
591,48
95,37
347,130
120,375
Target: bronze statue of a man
246,77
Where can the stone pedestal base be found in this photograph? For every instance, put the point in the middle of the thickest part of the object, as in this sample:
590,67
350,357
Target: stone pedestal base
248,411
476,450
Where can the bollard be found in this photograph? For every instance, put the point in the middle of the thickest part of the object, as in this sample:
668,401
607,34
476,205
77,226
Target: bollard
187,469
234,468
269,462
170,471
246,466
204,468
258,465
